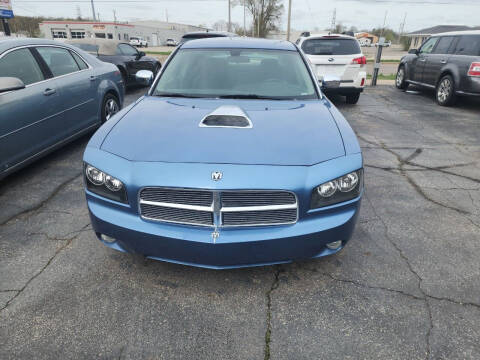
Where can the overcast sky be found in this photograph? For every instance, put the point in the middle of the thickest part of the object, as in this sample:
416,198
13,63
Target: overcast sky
306,14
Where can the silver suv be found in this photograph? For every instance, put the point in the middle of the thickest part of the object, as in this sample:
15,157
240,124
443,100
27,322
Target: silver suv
448,63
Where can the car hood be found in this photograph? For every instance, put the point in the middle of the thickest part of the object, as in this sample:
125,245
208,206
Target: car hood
282,133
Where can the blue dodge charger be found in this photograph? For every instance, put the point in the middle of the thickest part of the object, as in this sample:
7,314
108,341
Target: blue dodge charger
234,158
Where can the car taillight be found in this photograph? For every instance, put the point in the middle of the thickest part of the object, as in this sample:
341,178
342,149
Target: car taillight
363,82
474,69
360,61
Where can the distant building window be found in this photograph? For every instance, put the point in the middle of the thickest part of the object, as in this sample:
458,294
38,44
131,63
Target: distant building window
100,35
110,36
59,34
119,37
125,37
76,34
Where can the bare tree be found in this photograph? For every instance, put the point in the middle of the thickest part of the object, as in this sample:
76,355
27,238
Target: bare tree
266,15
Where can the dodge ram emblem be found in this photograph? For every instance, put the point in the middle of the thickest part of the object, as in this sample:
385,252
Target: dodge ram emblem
216,176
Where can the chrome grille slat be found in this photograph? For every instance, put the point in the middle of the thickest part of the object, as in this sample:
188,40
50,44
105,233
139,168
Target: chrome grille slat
222,208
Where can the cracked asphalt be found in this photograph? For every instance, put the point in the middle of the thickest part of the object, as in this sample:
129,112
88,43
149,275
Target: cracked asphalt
407,286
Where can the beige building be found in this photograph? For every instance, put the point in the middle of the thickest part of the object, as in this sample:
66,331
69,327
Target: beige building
418,37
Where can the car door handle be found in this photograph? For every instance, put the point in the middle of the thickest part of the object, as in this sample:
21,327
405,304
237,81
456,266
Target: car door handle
48,92
422,60
93,78
443,61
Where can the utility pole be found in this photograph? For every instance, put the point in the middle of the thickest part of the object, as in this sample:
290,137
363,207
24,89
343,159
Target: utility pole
114,16
229,16
244,17
166,14
384,22
334,20
402,28
93,11
289,19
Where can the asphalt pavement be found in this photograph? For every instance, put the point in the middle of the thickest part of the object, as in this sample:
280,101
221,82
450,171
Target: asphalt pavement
407,286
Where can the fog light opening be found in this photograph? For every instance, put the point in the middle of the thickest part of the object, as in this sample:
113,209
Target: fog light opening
334,245
107,239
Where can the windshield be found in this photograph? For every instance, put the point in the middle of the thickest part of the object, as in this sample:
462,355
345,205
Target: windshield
237,73
334,46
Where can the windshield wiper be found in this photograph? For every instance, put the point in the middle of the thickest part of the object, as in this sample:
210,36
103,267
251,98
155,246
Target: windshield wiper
177,95
247,96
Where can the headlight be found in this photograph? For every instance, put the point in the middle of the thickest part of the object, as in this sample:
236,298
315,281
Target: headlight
344,188
104,185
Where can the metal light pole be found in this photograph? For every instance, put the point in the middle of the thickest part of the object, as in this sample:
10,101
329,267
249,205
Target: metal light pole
289,19
244,17
229,16
6,27
93,11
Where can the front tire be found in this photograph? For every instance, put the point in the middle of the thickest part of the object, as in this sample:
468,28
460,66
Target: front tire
353,98
110,106
445,92
400,82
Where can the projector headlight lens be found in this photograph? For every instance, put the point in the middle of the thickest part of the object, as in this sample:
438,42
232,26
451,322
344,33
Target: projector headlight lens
105,185
339,190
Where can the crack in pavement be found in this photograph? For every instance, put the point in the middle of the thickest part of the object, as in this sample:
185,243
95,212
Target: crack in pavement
268,332
58,251
412,270
65,237
42,203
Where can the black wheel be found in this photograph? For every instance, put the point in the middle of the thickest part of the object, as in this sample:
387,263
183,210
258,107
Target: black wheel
445,93
110,107
353,98
400,82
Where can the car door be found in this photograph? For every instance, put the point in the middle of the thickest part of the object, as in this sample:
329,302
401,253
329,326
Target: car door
31,118
78,87
419,62
131,57
437,59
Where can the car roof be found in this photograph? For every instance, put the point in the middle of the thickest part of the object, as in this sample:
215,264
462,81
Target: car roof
10,43
239,42
451,33
327,35
213,33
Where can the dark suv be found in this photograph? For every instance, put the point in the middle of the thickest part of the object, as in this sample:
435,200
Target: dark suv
448,63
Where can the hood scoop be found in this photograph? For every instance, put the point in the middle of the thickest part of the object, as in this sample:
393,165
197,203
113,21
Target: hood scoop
227,116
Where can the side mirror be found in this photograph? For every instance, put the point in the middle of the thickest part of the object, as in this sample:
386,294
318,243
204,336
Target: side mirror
10,84
144,77
413,51
140,54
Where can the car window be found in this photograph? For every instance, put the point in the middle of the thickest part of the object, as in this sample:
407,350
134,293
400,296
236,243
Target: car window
443,45
126,49
468,45
333,46
22,65
91,48
81,64
237,72
59,60
428,46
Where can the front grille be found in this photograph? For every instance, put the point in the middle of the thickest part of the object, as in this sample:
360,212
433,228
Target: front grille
218,208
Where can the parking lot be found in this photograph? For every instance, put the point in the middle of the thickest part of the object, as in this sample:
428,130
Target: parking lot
407,286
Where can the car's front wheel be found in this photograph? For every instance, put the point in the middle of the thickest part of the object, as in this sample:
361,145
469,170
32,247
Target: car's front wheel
445,93
110,107
353,98
400,82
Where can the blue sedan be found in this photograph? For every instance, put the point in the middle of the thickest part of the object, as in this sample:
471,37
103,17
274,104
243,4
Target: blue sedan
50,93
234,158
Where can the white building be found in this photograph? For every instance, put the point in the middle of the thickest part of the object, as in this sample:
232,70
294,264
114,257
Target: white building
155,32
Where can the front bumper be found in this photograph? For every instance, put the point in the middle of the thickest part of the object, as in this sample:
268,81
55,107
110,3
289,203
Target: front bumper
235,247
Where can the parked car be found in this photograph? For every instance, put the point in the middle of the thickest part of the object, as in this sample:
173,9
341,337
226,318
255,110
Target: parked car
448,63
339,60
138,42
127,58
50,94
242,162
171,42
205,35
